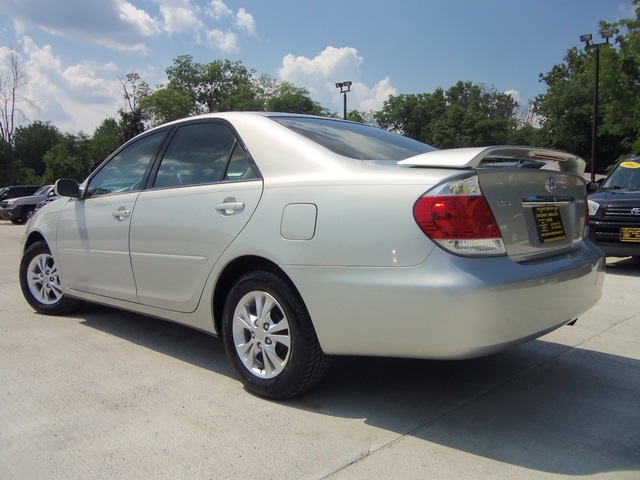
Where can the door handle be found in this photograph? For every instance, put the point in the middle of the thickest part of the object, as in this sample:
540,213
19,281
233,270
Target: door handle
230,206
121,213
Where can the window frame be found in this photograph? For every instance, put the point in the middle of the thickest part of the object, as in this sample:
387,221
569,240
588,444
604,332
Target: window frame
110,158
153,173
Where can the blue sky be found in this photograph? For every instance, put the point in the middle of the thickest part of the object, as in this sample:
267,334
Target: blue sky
74,50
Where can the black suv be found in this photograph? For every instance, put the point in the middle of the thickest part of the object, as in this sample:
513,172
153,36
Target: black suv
614,210
14,191
18,210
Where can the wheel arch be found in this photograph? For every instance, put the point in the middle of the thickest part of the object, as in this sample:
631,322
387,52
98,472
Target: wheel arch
230,275
33,237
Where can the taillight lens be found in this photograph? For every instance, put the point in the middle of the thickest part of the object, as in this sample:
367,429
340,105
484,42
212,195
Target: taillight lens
590,208
457,217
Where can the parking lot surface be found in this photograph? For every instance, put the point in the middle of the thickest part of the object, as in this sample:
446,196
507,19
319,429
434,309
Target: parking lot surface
109,394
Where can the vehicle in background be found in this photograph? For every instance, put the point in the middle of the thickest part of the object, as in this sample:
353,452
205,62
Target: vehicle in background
14,191
18,210
614,210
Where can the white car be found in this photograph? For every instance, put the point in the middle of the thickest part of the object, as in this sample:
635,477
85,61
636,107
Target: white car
296,238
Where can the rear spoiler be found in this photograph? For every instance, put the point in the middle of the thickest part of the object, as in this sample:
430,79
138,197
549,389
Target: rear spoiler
470,158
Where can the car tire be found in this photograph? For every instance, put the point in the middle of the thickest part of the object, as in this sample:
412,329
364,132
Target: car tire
24,217
269,337
40,282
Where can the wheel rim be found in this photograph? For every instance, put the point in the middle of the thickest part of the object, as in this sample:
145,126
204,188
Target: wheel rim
261,334
43,279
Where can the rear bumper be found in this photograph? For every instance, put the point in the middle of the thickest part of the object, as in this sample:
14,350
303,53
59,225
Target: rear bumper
449,307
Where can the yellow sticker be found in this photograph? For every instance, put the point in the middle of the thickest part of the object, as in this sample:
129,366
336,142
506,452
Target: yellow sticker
630,164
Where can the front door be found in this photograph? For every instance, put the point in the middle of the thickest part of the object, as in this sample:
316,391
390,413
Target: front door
93,231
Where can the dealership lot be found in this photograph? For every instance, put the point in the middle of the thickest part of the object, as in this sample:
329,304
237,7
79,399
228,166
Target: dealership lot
104,393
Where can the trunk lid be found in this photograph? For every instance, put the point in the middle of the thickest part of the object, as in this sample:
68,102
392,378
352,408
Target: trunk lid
538,211
537,195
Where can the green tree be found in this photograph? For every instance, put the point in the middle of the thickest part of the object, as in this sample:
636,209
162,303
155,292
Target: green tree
166,104
70,158
220,85
566,109
106,138
6,155
620,82
465,115
31,143
286,97
132,115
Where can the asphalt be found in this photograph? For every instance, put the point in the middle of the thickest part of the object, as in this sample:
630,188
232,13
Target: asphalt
108,394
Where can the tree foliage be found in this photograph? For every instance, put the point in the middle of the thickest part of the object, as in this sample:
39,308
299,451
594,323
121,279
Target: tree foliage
70,158
286,97
566,109
466,114
31,143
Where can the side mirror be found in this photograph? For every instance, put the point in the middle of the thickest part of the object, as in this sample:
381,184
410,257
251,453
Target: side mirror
593,187
66,187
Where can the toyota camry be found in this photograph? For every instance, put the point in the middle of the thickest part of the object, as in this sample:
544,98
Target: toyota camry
295,238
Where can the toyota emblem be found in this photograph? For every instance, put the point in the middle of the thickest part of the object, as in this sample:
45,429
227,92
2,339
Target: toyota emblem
551,185
635,211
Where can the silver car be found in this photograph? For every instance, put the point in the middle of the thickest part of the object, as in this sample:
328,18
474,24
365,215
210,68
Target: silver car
295,238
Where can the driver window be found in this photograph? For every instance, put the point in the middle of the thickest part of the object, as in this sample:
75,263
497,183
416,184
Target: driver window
124,172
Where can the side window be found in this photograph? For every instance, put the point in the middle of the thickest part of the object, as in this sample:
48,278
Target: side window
239,166
124,172
197,154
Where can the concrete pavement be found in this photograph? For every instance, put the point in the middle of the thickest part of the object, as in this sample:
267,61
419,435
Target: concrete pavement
109,394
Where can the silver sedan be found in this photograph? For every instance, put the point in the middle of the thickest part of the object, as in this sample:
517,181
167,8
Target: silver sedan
295,238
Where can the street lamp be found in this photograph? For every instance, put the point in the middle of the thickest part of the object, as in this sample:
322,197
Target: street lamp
344,88
590,45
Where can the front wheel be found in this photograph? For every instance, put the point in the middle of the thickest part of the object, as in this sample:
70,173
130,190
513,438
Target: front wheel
269,337
40,282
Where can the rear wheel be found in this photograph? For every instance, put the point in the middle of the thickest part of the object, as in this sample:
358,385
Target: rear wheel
40,282
269,337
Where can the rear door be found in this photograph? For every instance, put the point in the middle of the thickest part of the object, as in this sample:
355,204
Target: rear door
204,191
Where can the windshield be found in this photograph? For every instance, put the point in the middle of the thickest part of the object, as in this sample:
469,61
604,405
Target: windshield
41,191
355,140
626,175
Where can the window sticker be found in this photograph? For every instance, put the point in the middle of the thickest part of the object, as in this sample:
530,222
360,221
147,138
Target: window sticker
630,164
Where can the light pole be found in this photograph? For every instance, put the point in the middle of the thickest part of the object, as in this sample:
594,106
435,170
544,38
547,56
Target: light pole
344,88
589,45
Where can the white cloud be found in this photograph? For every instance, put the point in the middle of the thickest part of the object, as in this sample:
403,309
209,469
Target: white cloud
373,98
73,98
217,9
115,24
226,42
140,19
516,96
320,74
245,21
180,16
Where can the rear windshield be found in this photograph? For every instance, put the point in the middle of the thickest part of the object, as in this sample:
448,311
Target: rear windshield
355,140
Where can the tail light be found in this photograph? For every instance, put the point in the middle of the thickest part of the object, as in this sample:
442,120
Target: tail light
585,232
456,216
